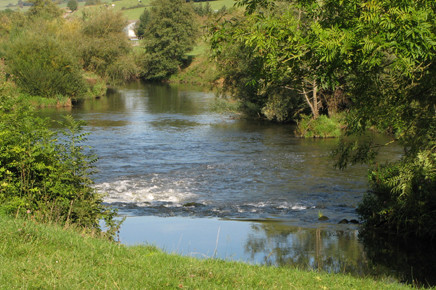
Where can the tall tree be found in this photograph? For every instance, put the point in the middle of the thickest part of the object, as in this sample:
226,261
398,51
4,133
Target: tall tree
141,25
168,37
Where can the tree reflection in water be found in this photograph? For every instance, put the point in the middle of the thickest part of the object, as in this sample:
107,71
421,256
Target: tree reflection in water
339,251
321,248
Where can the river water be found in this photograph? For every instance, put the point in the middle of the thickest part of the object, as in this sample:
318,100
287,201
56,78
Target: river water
212,185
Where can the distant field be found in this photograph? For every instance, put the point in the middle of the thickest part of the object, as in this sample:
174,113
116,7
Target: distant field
4,4
133,14
218,4
126,6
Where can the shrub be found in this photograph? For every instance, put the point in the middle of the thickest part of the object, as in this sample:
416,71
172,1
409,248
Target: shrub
73,5
46,173
103,41
123,69
42,65
402,197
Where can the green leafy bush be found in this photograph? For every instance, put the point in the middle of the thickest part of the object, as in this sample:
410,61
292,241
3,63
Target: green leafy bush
47,174
42,65
73,5
103,42
402,197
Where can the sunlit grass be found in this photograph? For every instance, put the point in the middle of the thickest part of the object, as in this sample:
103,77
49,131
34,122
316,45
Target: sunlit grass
41,256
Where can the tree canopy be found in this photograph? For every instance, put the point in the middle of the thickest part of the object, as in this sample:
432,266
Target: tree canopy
170,34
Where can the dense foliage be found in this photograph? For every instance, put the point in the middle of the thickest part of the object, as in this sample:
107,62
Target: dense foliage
284,59
72,5
143,22
103,41
42,64
46,174
169,35
48,56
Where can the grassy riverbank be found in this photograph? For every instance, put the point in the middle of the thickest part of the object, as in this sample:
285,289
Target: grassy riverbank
41,256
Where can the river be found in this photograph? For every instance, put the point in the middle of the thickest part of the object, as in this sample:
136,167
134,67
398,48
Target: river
204,184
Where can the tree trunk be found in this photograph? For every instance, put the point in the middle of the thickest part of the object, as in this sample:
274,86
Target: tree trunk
313,104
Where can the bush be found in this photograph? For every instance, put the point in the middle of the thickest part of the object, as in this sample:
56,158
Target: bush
103,41
72,5
43,65
45,173
123,69
402,198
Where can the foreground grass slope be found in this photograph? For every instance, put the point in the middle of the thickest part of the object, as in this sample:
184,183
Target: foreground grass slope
41,256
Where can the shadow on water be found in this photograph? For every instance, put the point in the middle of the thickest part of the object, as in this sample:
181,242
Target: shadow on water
412,261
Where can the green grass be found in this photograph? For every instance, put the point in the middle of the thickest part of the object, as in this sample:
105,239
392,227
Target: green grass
200,49
42,256
41,102
216,5
125,6
322,127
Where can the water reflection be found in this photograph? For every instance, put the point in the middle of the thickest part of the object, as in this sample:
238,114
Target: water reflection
310,248
164,98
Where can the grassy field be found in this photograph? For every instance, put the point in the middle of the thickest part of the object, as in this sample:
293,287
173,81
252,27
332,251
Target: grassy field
41,256
4,4
126,6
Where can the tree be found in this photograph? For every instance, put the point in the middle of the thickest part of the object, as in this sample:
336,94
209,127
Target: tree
394,87
142,24
72,5
301,54
168,37
44,8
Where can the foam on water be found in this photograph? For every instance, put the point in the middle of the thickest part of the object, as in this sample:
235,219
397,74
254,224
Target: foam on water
161,195
145,192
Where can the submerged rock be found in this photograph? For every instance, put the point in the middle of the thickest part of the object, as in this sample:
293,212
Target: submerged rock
323,218
354,222
194,204
343,221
